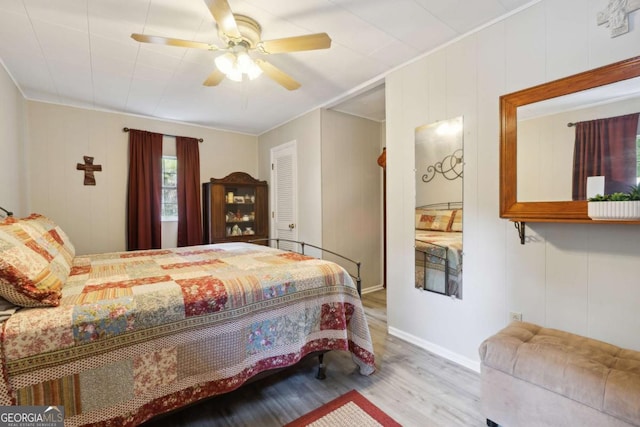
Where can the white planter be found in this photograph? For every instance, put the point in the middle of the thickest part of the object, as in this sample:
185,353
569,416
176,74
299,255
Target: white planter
620,211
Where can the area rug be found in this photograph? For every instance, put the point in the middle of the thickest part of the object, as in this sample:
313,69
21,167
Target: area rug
349,410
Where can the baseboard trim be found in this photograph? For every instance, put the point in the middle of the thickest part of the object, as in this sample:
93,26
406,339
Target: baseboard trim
370,289
436,349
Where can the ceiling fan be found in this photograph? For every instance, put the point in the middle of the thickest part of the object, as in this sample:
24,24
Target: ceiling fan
242,35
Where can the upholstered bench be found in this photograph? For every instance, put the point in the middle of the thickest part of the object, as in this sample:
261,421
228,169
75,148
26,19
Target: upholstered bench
535,376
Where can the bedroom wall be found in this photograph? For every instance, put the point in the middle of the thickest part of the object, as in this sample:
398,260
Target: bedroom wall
577,277
94,216
317,168
13,180
351,191
305,130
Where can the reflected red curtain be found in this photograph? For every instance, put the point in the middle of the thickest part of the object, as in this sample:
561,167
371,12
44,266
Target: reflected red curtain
605,147
143,197
189,213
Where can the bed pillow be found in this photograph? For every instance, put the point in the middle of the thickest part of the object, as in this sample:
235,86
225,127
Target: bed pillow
34,262
434,220
51,236
456,224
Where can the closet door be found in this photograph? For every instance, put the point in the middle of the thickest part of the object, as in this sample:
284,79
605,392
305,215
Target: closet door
284,198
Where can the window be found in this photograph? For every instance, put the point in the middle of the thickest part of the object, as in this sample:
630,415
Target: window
169,188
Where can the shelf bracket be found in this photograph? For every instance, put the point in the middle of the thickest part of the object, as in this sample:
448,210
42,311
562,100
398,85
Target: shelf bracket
520,227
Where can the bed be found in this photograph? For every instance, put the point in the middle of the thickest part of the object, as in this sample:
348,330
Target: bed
438,248
118,338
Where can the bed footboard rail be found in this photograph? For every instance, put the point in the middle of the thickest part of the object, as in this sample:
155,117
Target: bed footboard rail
302,246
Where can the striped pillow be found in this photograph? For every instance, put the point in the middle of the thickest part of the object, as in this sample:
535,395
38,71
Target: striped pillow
434,220
50,235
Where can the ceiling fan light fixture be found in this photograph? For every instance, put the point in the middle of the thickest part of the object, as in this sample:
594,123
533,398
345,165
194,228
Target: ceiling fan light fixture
254,71
234,65
247,66
244,62
226,63
235,74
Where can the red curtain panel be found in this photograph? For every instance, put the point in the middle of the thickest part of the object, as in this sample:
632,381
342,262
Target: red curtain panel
605,147
144,188
189,212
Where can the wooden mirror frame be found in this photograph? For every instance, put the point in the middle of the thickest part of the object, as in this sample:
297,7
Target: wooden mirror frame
543,211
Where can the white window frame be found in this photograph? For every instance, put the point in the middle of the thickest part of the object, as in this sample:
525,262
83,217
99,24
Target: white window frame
163,187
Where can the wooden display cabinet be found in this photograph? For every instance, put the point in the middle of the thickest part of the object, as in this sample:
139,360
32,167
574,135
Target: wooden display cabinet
235,209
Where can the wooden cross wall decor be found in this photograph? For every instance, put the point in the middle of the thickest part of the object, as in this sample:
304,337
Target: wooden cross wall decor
88,167
616,15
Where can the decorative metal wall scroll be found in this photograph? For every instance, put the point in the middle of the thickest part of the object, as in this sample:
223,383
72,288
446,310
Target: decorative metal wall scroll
450,167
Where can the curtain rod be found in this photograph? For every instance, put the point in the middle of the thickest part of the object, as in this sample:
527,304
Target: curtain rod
571,124
127,130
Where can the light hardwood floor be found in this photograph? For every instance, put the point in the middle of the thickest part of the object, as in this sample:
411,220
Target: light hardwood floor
412,385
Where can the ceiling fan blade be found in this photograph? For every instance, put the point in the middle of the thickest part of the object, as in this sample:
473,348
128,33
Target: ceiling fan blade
172,42
296,44
221,12
278,75
214,78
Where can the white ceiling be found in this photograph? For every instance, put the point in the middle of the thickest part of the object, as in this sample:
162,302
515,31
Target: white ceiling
79,53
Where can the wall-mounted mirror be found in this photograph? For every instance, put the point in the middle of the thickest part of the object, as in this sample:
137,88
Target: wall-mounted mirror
438,224
539,167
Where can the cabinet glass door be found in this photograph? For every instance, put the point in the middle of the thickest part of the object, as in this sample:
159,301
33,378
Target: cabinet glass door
240,211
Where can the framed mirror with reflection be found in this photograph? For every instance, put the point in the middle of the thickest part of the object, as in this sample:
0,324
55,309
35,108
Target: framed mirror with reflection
439,166
540,157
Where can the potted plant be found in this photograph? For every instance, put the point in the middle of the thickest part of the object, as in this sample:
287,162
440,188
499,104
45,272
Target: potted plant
616,206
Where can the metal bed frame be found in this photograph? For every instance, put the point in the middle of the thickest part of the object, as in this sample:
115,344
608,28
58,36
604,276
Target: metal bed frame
302,245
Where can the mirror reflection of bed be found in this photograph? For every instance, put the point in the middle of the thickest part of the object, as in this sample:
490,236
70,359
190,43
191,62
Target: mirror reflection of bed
438,214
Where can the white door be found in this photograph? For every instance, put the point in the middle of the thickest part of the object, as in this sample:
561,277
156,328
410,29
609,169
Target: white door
284,193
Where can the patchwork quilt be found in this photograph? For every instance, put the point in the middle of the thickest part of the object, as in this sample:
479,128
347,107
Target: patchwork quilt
140,333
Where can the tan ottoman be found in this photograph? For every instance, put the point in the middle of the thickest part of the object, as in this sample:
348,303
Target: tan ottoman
535,376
